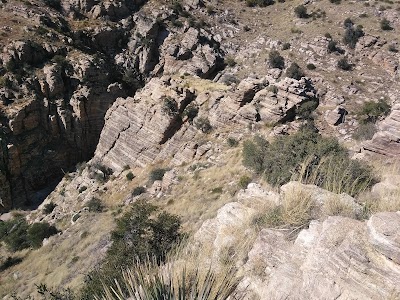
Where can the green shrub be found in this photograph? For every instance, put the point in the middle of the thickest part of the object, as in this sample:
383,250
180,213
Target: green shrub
311,67
14,234
49,207
170,107
203,124
352,35
392,48
232,142
217,190
9,262
5,82
157,174
191,111
244,181
82,189
261,3
301,12
372,111
276,60
140,233
364,131
286,46
294,71
95,205
332,46
344,64
56,4
129,176
138,190
348,23
305,109
307,156
385,24
37,232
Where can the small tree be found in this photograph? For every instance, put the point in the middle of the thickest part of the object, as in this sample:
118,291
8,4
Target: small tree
157,174
49,207
301,12
37,232
344,64
276,60
385,24
332,46
294,71
95,205
352,35
371,111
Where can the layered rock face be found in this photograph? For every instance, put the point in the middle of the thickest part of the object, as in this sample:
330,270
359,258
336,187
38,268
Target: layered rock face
335,258
140,130
387,140
56,90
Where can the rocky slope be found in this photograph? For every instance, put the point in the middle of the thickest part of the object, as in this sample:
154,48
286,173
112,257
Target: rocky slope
132,86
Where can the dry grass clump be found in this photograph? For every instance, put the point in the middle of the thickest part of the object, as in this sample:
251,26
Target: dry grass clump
335,206
294,212
372,202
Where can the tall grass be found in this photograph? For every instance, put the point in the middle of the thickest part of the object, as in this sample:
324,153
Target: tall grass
336,175
172,281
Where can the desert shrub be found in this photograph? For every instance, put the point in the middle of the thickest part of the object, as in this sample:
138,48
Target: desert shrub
372,111
217,190
309,157
60,60
344,64
392,48
54,294
230,61
286,46
82,189
37,232
335,1
138,190
232,142
311,67
14,234
332,46
348,23
385,24
49,207
11,66
364,132
56,4
140,233
261,3
191,112
9,262
276,60
129,176
95,205
301,12
244,181
305,109
352,35
5,82
294,71
328,35
157,174
203,124
274,89
170,106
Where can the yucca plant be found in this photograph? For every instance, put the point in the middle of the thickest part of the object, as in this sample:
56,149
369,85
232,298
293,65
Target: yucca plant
170,281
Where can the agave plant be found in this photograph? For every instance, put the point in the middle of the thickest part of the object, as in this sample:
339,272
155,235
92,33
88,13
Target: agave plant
169,281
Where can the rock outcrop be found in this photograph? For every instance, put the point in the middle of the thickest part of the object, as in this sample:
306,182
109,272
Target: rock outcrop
387,140
334,258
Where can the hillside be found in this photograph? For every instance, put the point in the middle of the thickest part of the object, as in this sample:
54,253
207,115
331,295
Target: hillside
270,129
